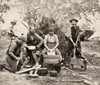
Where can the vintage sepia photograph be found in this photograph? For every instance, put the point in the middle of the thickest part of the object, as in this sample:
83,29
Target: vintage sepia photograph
49,42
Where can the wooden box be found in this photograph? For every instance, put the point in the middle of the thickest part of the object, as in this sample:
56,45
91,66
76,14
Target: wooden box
51,59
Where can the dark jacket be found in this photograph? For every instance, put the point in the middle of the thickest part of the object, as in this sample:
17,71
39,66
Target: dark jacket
30,41
15,48
75,32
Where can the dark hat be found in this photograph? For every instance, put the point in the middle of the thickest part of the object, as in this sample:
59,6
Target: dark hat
13,23
73,20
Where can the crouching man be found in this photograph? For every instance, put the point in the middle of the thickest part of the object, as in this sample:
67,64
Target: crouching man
14,54
51,43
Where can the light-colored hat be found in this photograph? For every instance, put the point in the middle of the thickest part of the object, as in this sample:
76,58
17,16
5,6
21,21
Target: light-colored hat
22,38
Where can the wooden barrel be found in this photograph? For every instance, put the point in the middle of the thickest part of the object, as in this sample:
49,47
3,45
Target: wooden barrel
51,59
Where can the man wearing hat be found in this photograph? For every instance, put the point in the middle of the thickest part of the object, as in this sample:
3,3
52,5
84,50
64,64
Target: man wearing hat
74,36
51,43
14,54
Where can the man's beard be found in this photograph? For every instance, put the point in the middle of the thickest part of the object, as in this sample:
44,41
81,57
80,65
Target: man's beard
73,25
51,34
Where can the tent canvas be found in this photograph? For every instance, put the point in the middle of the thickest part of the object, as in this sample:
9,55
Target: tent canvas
96,35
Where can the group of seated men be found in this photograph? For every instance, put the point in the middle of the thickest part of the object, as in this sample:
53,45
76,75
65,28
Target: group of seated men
15,50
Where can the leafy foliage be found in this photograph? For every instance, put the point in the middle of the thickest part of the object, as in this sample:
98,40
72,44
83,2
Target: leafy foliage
3,9
44,13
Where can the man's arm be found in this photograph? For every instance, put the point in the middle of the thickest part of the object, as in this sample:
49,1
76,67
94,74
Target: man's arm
11,50
12,54
80,30
80,33
40,38
68,34
71,40
45,42
57,42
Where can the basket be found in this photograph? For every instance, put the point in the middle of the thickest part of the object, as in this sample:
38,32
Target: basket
51,59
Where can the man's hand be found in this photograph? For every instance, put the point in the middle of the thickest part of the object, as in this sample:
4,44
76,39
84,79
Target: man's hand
74,45
38,46
25,45
49,50
53,49
18,58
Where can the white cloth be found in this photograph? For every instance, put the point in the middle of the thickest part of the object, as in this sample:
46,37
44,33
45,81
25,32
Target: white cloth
49,38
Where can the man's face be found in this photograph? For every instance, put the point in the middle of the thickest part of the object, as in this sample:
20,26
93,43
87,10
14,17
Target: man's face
73,22
51,33
32,31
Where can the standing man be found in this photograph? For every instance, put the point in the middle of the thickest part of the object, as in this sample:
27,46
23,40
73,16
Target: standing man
74,36
14,54
33,39
51,43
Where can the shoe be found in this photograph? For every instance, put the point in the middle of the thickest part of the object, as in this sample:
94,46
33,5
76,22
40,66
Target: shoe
34,75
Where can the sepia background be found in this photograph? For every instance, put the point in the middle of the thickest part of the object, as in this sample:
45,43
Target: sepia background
41,14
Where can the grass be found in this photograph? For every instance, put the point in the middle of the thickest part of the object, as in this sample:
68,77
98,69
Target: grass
23,79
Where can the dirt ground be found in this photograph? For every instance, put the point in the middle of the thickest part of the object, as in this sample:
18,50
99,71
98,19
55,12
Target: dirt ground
7,78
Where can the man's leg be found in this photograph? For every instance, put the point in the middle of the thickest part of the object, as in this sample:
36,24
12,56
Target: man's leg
44,51
12,63
35,58
78,50
30,56
78,53
39,57
69,54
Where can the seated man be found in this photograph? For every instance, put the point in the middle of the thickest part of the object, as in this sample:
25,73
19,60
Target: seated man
51,43
14,53
33,39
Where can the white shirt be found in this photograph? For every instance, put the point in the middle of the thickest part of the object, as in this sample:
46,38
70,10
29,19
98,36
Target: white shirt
51,39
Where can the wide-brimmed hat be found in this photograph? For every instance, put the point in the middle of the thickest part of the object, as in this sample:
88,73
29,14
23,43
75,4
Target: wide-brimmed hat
22,38
73,20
